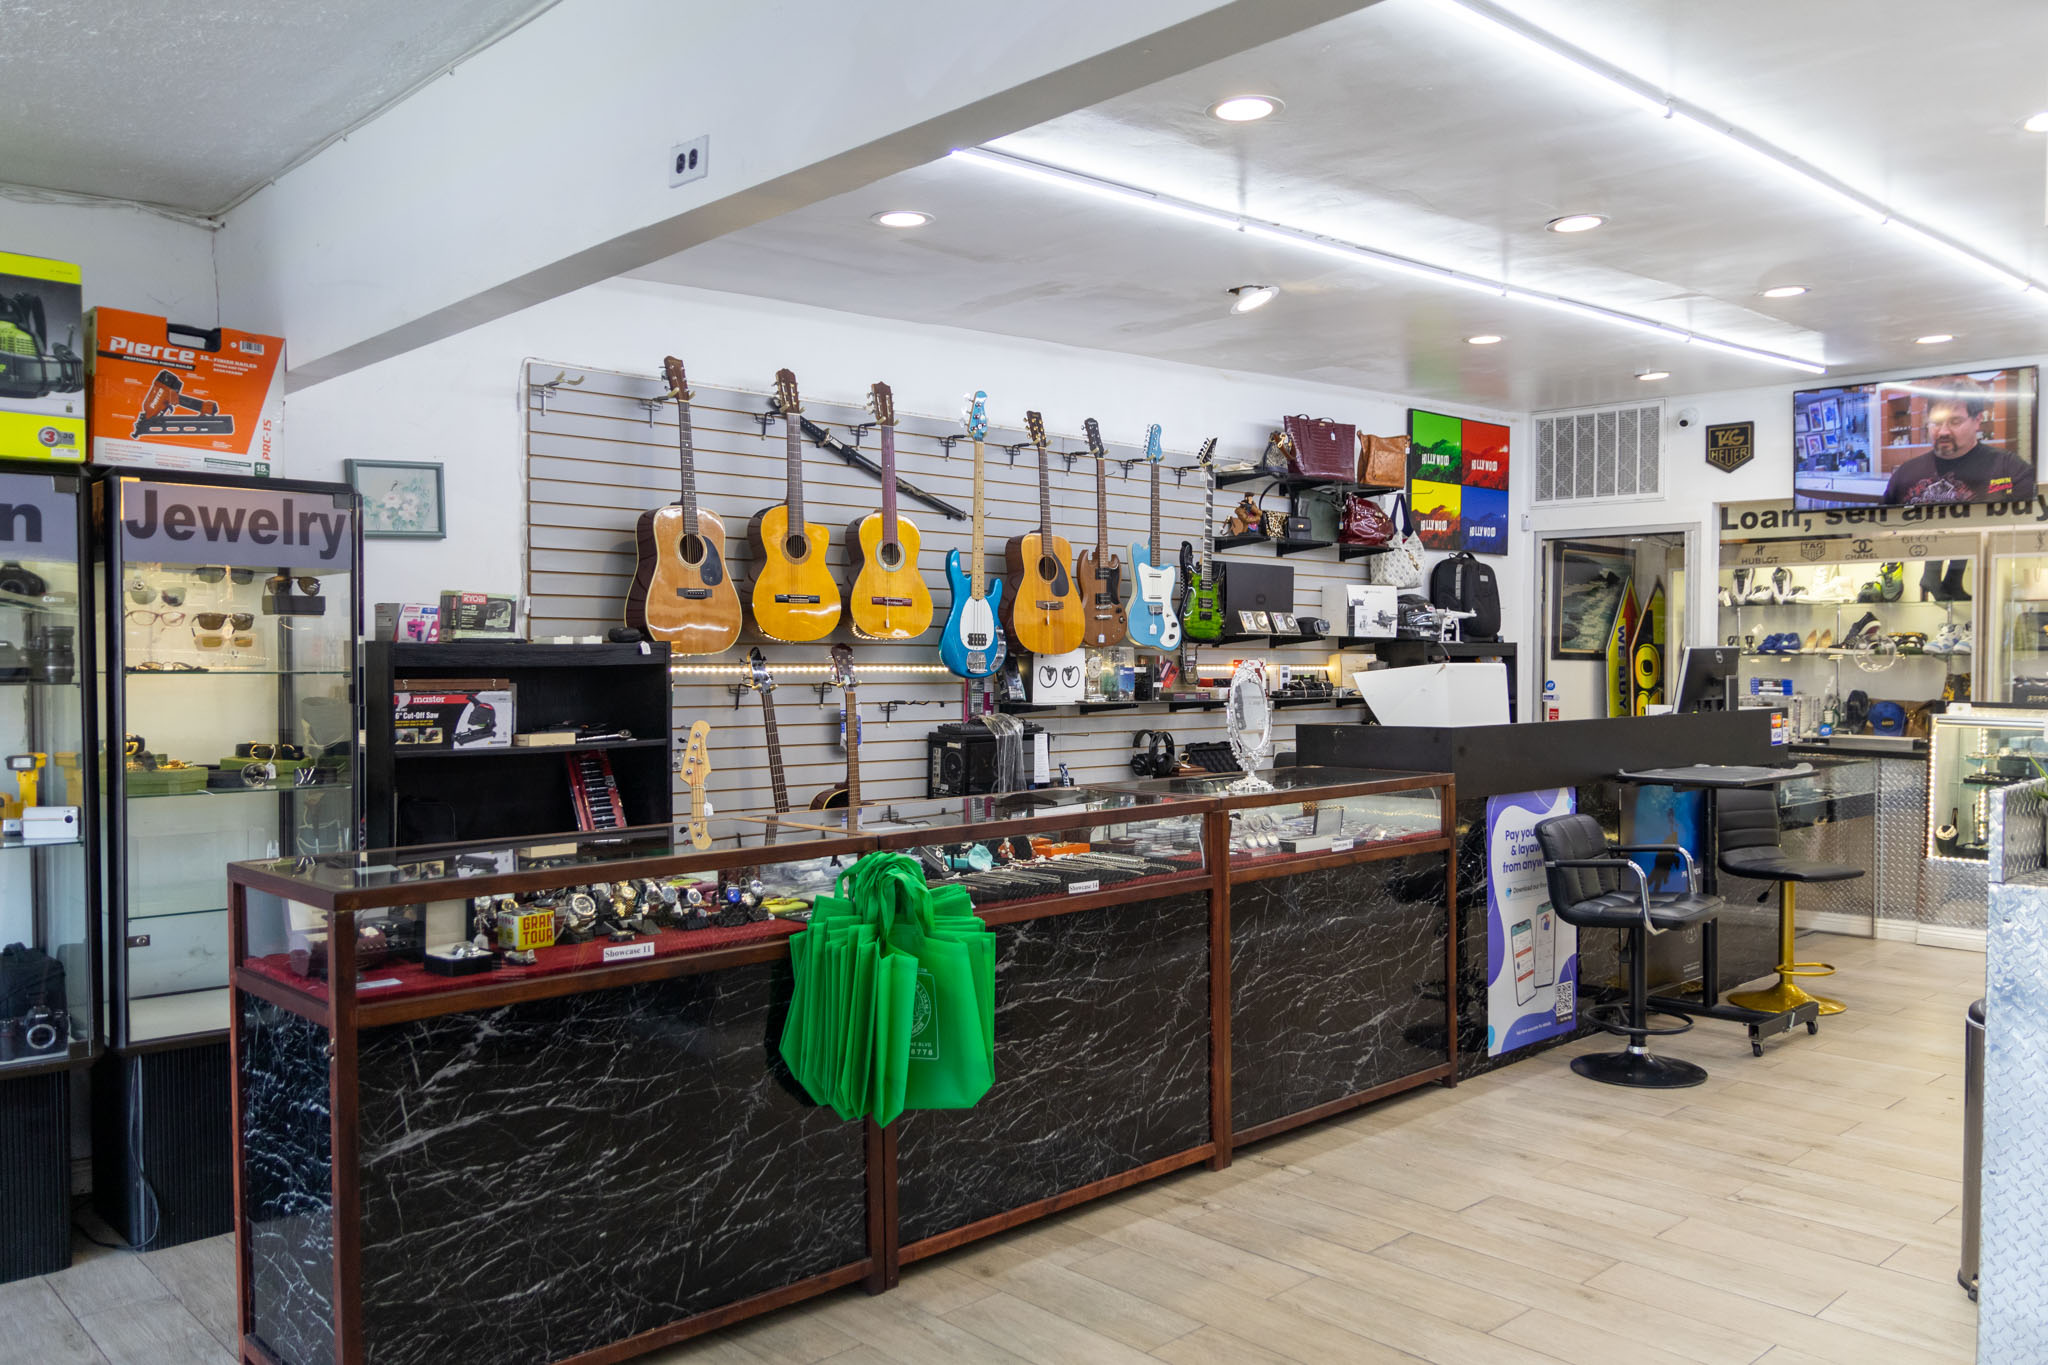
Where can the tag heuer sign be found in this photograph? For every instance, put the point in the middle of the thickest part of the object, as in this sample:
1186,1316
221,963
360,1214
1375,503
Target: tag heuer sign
1730,447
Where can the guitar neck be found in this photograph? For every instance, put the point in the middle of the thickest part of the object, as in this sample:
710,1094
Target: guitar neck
793,439
852,758
1044,502
686,450
977,571
1155,515
774,751
888,485
1101,513
1209,528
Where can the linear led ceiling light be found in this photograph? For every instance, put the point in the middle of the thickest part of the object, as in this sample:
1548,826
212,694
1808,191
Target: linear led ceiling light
1681,112
1354,254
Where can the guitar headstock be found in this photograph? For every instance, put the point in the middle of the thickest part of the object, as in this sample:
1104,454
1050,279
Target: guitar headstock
842,666
697,755
1206,456
1034,427
1094,435
882,404
977,415
758,676
785,393
678,384
1153,450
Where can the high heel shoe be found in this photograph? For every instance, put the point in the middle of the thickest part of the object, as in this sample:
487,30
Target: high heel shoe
1952,581
1931,589
1826,640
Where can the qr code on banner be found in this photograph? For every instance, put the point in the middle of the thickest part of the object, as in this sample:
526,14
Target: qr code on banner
1563,1010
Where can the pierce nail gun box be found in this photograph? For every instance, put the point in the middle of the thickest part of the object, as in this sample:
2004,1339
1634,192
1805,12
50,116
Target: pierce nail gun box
201,400
42,371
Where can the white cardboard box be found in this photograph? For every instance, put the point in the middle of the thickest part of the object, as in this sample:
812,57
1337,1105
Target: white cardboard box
1366,610
49,824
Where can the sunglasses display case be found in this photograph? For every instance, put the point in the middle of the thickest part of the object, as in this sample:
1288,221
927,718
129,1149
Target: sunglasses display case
228,633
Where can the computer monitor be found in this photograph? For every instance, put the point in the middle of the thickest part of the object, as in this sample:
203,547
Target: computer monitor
1705,682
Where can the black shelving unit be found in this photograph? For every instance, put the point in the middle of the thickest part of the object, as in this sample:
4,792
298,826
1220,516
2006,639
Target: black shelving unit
430,796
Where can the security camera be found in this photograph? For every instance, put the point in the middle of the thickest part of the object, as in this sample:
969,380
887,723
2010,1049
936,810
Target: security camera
1688,417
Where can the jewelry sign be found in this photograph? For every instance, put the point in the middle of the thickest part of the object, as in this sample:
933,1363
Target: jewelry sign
189,523
38,520
1731,445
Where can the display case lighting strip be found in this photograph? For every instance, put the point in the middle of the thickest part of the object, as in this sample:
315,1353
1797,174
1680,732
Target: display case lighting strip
1355,254
804,670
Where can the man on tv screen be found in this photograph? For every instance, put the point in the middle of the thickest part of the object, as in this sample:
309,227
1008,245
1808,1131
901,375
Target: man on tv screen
1962,466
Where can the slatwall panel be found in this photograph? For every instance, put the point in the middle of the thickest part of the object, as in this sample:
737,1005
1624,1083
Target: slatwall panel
596,459
1599,454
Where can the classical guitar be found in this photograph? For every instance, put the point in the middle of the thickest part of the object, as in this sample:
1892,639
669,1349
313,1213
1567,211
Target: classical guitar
1153,622
696,771
887,597
763,683
845,798
1202,605
795,596
971,645
682,590
1100,573
1041,608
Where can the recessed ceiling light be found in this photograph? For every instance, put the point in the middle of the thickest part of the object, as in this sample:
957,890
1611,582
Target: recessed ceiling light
1483,339
1784,291
2037,124
1245,108
902,218
1576,222
1250,296
1933,339
1647,375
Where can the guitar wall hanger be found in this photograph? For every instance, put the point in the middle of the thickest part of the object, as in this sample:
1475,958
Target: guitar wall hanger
551,386
823,438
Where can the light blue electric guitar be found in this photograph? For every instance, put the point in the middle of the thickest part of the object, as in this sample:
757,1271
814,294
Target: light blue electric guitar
971,645
1154,616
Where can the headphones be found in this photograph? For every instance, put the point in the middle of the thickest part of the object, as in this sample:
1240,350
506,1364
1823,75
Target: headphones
1159,759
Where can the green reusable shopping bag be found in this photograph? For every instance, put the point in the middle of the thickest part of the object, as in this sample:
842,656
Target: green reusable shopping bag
949,976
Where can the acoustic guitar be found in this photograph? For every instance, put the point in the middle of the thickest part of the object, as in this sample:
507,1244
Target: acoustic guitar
1041,609
846,798
682,588
1154,622
887,597
795,597
1202,603
696,772
1101,573
763,683
971,645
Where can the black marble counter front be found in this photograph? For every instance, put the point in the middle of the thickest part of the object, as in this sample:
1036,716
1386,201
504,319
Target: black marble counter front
546,1178
1336,984
287,1163
1102,1065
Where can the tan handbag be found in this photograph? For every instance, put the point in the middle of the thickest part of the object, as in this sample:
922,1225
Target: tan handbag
1382,461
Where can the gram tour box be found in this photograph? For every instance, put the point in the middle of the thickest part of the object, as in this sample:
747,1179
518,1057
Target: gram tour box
200,400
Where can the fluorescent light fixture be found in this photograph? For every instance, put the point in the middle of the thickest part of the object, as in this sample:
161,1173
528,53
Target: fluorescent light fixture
2037,123
1483,339
1959,255
1576,222
1784,291
1244,108
902,218
1251,297
1348,252
1538,43
1648,375
1933,339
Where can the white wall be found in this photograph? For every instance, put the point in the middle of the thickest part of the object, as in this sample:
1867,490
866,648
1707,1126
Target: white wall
132,258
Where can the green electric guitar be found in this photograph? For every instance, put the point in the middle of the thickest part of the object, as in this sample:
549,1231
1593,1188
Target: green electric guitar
1201,614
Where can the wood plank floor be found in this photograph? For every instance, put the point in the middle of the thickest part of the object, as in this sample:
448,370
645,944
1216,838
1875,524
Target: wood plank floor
1798,1209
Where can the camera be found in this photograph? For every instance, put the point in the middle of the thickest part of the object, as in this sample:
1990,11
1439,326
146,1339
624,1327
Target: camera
39,1033
1688,417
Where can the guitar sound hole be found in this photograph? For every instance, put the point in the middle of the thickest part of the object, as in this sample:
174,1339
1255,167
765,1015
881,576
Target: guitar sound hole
796,546
890,556
692,549
1048,568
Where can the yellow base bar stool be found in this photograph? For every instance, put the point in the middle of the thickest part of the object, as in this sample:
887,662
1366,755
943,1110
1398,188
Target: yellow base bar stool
1750,847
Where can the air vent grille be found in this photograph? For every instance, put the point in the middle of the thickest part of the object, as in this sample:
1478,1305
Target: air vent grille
1599,454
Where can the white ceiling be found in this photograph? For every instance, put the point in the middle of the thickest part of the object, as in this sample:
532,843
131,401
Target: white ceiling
192,105
1412,128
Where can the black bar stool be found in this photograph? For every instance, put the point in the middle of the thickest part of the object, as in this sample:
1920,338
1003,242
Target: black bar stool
1586,874
1750,843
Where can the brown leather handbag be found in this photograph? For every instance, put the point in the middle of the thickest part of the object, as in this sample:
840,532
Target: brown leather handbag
1382,461
1323,449
1361,522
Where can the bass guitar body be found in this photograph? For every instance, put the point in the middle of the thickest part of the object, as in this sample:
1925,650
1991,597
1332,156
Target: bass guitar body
888,599
972,644
682,590
1152,622
795,597
1102,610
1202,612
1042,610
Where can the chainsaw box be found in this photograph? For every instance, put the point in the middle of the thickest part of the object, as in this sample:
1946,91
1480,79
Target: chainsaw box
198,400
42,368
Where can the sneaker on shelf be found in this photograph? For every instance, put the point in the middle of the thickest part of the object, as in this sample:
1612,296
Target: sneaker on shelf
1891,581
1783,589
1788,643
1761,592
1866,632
1727,598
1944,640
1830,585
1963,639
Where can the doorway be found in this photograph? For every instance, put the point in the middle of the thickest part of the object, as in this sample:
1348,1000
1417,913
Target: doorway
1611,612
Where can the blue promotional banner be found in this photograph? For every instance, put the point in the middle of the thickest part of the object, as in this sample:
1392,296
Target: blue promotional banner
1532,957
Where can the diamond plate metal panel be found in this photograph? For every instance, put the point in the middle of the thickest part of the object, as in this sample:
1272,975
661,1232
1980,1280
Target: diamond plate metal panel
2017,831
2012,1311
1901,837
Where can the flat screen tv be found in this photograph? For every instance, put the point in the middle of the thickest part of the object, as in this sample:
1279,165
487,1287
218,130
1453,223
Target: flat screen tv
1951,438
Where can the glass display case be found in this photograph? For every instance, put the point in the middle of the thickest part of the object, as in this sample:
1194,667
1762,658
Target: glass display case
1316,810
229,637
48,867
1974,752
2017,670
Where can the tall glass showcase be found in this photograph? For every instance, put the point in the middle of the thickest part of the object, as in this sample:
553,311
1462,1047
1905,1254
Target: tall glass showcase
1975,752
230,634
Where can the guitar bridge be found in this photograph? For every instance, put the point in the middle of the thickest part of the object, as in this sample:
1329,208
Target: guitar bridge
694,594
889,601
810,599
1054,605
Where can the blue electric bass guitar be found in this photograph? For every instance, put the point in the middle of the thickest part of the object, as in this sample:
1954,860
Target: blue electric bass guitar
1154,615
971,645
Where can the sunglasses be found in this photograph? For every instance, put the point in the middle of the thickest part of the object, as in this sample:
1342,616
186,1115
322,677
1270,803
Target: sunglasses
267,751
215,573
282,583
222,641
142,616
141,594
214,620
155,666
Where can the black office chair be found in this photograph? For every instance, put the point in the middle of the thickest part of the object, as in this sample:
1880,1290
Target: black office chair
1593,885
1750,847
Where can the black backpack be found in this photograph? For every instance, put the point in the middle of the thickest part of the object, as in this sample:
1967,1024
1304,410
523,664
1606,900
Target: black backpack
29,977
1464,583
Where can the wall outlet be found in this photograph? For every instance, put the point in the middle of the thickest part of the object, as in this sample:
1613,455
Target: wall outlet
689,161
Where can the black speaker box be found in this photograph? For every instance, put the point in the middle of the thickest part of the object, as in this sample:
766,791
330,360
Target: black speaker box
960,759
1250,586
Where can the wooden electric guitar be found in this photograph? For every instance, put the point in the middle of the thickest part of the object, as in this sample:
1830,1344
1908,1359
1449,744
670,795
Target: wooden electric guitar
845,798
1154,624
971,645
795,596
1202,603
763,682
682,588
887,597
1041,607
1101,574
696,771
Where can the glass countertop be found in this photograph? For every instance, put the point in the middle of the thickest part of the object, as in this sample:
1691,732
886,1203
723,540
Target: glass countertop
967,812
1290,778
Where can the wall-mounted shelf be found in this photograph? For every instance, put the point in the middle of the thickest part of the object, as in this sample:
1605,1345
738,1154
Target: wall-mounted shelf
409,754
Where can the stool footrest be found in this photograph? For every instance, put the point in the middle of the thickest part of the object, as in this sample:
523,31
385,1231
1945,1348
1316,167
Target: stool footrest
1805,969
1613,1018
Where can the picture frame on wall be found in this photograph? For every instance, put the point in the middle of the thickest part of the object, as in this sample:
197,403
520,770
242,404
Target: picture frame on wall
1588,581
402,500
